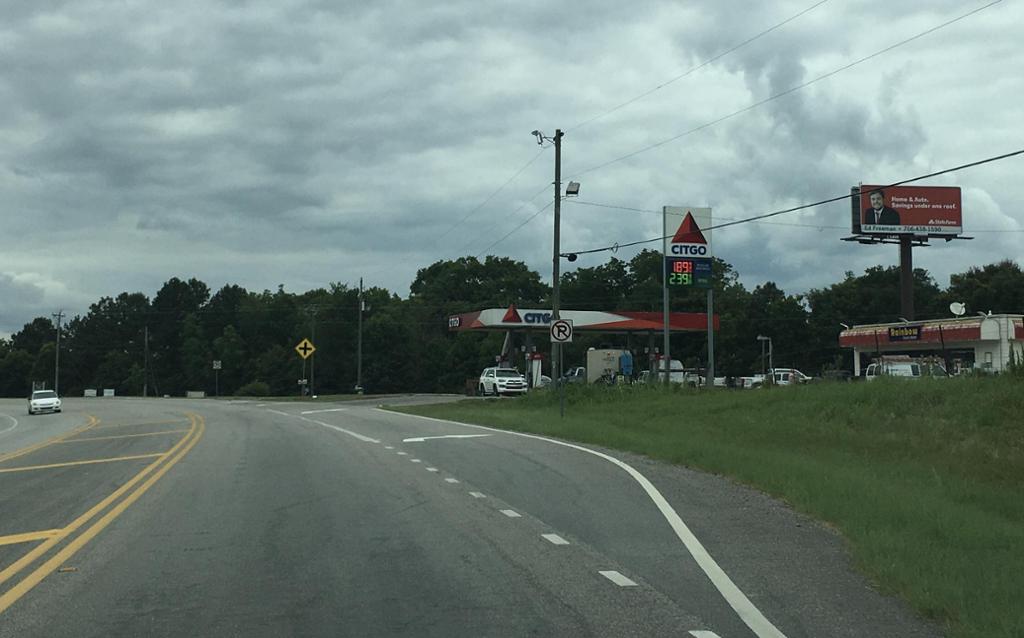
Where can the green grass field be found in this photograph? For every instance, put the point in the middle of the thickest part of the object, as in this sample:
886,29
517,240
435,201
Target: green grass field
925,479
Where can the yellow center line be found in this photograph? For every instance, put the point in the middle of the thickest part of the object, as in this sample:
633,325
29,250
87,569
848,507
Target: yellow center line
28,537
91,423
131,425
11,570
14,593
120,436
89,462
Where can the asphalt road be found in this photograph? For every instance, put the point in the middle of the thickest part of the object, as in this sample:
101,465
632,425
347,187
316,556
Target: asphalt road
165,517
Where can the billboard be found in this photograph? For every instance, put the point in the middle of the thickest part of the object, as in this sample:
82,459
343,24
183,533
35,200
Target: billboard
917,210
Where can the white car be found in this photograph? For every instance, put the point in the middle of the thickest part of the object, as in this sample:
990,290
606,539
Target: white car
496,381
43,401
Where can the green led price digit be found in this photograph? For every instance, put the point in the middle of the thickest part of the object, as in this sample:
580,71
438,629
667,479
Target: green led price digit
684,279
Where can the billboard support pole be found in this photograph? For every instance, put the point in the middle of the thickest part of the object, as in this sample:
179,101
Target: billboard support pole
906,277
664,299
711,338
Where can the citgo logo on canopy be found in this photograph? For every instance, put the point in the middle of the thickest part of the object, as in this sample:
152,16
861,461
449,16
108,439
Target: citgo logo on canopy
537,317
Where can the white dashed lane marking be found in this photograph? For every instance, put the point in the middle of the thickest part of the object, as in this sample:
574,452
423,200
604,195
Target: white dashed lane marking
431,469
698,633
555,539
511,513
403,454
618,578
477,495
451,480
416,460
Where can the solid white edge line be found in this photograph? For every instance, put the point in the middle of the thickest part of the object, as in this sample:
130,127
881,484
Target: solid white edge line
617,578
329,410
700,633
278,412
356,435
555,539
12,427
748,613
511,513
421,439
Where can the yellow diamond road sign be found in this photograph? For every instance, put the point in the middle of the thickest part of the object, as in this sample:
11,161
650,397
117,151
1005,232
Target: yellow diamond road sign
305,348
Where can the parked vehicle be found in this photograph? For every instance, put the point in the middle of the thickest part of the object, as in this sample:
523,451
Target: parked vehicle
755,381
498,381
789,376
577,374
678,374
603,364
43,401
904,367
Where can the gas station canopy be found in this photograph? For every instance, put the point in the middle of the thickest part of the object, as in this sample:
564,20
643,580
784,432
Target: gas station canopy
511,318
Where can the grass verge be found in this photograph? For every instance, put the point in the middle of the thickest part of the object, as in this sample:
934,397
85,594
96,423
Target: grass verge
924,479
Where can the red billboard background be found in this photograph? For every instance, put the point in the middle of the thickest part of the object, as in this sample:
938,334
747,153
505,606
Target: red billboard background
932,210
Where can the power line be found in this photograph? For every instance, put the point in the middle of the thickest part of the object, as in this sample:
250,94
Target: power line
492,195
698,67
525,222
512,214
788,91
790,224
615,247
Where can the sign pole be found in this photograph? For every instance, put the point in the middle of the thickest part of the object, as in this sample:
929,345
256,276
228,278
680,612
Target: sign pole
561,333
561,387
711,338
906,277
664,295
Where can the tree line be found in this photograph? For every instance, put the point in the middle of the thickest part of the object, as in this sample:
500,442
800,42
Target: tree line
168,342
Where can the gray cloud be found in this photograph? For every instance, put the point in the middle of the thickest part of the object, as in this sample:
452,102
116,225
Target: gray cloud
307,142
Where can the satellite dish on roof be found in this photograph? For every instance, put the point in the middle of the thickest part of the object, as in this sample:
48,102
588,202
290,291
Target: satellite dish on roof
957,308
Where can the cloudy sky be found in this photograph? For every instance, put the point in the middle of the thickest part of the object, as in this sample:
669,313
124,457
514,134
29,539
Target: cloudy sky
301,142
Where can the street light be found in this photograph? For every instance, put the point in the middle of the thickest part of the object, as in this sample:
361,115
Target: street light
771,364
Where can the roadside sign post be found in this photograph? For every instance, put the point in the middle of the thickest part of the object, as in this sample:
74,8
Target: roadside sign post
305,348
561,333
688,264
216,377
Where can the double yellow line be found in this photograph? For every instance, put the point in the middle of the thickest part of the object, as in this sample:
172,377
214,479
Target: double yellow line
113,506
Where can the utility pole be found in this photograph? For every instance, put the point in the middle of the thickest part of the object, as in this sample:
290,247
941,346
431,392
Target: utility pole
556,348
359,343
56,364
312,311
145,363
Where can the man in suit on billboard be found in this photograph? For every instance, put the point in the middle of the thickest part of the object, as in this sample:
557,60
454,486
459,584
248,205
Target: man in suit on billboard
879,213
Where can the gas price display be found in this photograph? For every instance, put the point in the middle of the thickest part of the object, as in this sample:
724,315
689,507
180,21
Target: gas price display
688,272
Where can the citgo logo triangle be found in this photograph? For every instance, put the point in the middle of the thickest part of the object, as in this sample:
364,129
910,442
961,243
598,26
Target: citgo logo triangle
689,232
512,316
